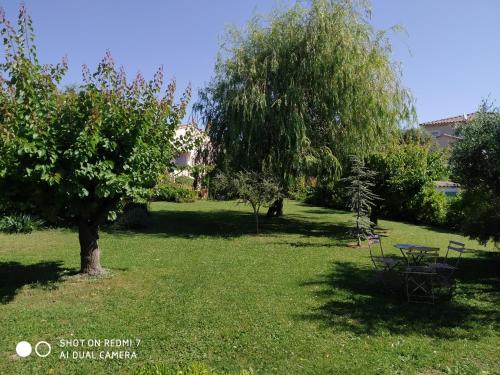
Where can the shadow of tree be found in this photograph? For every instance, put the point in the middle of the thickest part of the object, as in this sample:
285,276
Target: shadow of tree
228,223
352,300
14,276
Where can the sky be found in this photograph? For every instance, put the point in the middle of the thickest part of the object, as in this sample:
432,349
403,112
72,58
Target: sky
449,54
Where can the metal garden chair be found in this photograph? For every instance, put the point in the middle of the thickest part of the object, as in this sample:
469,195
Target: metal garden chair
379,259
421,278
386,266
447,267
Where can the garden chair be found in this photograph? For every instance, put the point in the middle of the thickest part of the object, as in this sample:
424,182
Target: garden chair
447,267
421,279
385,266
379,259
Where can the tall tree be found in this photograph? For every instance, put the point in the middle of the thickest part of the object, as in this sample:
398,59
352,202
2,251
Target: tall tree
76,155
475,163
299,91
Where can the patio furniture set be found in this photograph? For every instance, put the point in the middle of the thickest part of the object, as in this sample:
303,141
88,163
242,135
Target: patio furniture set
427,276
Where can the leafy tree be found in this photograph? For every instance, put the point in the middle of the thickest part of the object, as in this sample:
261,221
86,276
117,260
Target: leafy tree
255,189
297,93
359,186
406,171
475,163
76,155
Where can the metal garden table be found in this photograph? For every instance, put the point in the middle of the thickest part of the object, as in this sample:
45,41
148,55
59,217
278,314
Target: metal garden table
415,255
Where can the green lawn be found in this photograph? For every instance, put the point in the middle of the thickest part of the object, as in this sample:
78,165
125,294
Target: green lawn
199,286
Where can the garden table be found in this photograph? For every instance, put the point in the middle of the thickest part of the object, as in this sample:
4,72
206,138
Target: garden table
415,254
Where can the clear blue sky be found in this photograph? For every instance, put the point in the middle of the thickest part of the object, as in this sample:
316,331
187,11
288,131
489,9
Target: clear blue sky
450,57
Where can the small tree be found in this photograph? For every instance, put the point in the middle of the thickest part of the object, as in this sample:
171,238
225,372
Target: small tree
255,189
361,198
78,154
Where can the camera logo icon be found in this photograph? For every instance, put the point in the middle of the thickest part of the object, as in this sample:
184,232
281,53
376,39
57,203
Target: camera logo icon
42,349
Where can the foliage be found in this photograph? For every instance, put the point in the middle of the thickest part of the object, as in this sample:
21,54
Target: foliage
455,212
173,192
327,196
419,136
297,93
431,206
185,181
78,153
359,185
20,223
255,189
475,163
405,181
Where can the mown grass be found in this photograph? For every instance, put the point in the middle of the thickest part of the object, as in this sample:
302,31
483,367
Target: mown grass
197,286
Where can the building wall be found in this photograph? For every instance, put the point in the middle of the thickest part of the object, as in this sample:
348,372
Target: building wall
437,132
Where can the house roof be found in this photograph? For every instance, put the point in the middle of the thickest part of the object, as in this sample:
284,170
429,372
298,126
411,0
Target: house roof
444,184
451,120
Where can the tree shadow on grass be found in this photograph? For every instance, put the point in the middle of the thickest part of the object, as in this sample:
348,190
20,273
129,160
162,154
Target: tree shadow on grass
14,276
228,223
352,300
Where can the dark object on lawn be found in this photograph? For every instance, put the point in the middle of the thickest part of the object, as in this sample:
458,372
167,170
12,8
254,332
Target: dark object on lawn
134,216
276,209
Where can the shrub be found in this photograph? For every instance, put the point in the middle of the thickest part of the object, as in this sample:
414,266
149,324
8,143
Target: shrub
455,215
134,216
185,181
298,190
19,223
430,206
174,193
327,196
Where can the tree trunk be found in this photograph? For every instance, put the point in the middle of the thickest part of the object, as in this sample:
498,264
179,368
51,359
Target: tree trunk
276,209
90,262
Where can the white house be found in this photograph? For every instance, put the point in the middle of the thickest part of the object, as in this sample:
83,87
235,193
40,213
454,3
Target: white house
187,139
444,130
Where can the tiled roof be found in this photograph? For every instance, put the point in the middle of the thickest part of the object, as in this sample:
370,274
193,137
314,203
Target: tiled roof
451,120
446,184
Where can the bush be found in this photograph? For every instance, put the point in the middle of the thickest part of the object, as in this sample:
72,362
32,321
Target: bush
185,181
430,206
173,193
134,216
327,196
19,223
455,215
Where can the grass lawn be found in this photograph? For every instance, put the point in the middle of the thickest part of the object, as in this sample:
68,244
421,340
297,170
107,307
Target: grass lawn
199,286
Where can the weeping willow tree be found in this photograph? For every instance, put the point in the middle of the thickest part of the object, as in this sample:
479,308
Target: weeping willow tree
295,93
